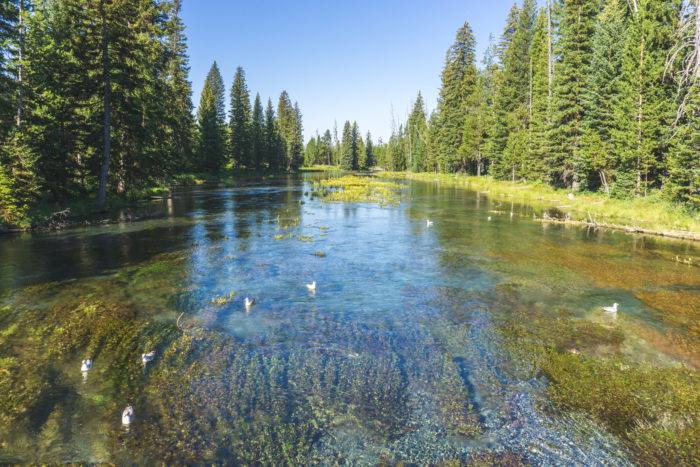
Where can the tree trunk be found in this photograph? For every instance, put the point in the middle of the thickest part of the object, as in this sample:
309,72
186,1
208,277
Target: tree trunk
102,195
20,67
550,66
604,181
696,45
640,103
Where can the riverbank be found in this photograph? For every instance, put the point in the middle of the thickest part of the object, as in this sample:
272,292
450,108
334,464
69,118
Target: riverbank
84,211
651,215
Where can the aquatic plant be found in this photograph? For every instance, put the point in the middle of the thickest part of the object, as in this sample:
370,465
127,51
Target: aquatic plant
222,300
352,188
656,411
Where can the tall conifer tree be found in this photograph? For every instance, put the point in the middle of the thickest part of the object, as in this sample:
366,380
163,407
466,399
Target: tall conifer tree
240,121
567,161
257,135
211,152
459,80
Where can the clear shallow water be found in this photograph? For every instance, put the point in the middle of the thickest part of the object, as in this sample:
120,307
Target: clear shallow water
402,353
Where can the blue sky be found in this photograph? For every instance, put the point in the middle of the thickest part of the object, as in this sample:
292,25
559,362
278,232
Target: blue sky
349,60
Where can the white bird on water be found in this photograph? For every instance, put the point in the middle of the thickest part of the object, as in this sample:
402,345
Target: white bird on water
128,415
311,287
488,218
428,223
611,309
249,302
148,357
86,365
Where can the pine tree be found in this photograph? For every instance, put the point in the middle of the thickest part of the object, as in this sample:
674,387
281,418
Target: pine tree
327,148
358,147
274,146
257,135
489,78
682,180
311,152
459,80
567,161
645,110
9,15
474,129
370,159
346,150
285,119
240,122
601,93
211,152
178,88
539,103
416,129
296,155
19,182
512,100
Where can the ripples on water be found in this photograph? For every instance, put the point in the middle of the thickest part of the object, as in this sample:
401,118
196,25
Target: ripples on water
421,344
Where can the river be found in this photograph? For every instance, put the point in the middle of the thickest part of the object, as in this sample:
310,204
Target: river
421,343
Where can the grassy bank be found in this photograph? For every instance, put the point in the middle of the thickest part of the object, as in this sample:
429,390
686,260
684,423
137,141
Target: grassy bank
651,215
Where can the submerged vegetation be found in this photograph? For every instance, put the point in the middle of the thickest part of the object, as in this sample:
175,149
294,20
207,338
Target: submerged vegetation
357,189
654,409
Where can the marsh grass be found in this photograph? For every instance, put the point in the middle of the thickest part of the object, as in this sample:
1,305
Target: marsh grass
651,212
356,189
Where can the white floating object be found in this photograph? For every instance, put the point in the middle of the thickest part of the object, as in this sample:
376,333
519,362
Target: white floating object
148,357
611,309
249,302
488,218
86,365
311,287
571,196
428,223
128,415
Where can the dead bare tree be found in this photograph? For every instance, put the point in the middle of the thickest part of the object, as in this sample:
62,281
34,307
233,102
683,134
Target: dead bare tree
684,57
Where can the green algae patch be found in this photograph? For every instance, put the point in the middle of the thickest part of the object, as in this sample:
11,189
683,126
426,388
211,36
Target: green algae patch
355,189
222,300
656,411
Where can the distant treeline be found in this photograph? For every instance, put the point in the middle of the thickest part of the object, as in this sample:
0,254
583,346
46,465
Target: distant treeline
95,100
582,94
350,153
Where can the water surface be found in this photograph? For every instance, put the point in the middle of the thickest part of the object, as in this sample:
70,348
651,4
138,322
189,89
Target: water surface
404,353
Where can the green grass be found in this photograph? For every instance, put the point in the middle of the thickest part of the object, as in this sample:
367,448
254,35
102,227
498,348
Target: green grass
352,188
651,213
321,168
